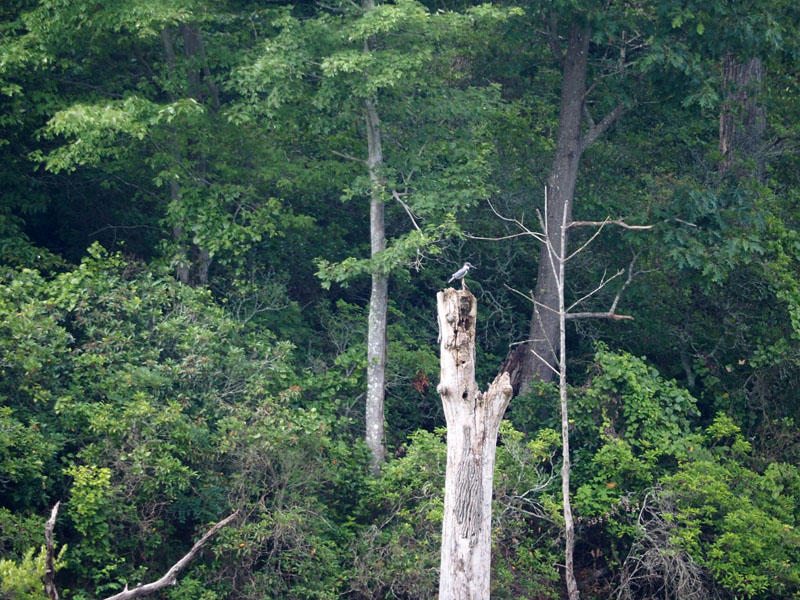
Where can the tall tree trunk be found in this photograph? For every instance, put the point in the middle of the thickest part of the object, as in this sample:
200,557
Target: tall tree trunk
379,293
193,263
201,88
560,192
742,122
182,266
473,422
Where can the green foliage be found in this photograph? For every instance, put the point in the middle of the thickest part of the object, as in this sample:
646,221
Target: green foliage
632,426
23,580
188,131
130,390
738,523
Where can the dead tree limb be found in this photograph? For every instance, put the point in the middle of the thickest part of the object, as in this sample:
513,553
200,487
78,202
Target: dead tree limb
171,576
617,222
49,568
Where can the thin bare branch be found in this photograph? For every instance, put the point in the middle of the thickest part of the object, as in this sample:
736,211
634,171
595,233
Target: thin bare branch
603,283
544,362
628,280
598,315
397,197
531,298
523,228
49,569
589,241
170,577
618,222
348,157
496,239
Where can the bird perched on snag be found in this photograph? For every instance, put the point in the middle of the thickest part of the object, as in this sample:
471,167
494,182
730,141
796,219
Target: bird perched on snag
461,273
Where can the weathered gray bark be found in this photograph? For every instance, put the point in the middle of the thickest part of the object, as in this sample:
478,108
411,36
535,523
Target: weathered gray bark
743,121
473,422
560,193
49,565
379,293
557,256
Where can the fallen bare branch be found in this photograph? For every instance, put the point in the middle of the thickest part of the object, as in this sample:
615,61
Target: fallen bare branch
170,577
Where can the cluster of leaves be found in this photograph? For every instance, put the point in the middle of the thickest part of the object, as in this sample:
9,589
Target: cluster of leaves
153,413
637,441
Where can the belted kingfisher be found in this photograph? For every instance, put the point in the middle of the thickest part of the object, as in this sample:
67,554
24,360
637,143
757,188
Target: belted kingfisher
461,273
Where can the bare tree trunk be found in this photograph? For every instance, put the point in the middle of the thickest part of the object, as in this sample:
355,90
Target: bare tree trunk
379,293
558,261
742,121
473,422
560,193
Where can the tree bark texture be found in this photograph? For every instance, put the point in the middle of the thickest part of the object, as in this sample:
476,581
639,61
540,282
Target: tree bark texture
742,121
49,566
473,422
379,296
560,192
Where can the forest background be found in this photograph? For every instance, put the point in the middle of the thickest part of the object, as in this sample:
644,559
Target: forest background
190,274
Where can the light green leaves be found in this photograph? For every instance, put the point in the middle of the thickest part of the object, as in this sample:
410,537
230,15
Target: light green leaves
103,132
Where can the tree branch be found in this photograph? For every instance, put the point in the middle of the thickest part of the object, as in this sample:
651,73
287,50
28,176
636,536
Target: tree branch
618,222
598,315
611,313
348,157
170,577
397,197
603,283
596,130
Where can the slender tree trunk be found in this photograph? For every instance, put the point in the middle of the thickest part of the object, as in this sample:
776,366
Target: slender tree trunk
473,422
182,266
193,263
379,293
742,122
201,88
544,325
558,263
